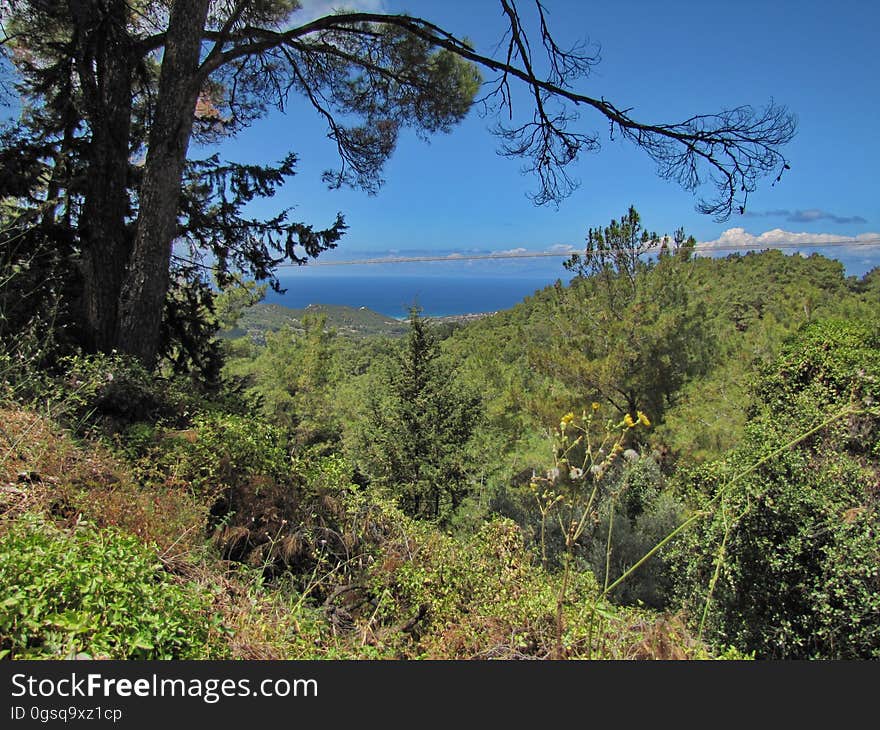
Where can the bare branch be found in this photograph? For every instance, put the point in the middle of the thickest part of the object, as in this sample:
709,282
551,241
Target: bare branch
566,66
223,34
731,150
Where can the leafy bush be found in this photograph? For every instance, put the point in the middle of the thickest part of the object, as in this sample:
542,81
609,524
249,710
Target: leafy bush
643,515
97,592
473,597
97,393
217,452
829,364
223,450
788,563
115,391
795,544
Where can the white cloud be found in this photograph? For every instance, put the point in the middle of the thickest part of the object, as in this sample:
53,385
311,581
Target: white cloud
738,238
562,248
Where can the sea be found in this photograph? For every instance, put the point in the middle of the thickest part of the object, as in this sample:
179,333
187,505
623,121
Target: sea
447,288
393,291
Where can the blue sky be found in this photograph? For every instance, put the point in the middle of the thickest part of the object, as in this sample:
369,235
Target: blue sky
665,60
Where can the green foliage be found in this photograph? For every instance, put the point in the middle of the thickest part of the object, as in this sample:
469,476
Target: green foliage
188,343
111,386
109,393
103,392
477,596
787,564
830,363
238,298
95,592
39,359
502,357
32,317
645,512
798,575
295,376
753,303
220,451
628,331
414,439
709,416
229,446
39,281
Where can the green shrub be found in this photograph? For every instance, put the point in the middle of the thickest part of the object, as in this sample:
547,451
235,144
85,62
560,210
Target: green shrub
219,451
828,364
479,596
228,449
115,391
97,592
799,556
787,564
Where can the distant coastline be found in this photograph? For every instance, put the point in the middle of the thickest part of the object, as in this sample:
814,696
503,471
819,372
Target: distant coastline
456,318
444,290
447,296
258,321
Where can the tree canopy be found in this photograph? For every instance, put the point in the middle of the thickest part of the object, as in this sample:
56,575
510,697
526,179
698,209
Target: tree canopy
419,421
99,186
628,332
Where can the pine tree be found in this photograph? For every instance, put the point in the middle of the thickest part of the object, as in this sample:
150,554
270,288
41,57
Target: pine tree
418,428
113,93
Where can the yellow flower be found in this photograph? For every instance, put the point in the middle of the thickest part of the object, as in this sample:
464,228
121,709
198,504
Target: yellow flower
643,419
595,406
628,420
566,419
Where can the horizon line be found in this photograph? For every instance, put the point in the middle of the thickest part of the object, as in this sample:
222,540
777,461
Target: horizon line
699,248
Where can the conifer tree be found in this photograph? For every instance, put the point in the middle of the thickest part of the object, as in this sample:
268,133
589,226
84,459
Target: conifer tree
112,94
415,437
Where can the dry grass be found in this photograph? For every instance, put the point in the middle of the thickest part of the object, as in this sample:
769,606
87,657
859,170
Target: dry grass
44,469
35,459
663,638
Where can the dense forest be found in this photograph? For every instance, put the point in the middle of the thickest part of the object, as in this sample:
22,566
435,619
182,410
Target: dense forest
665,456
662,456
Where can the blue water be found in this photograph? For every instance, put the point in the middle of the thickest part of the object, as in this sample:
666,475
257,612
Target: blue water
447,288
394,294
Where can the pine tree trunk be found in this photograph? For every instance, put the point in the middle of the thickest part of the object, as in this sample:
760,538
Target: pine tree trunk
146,285
105,249
104,70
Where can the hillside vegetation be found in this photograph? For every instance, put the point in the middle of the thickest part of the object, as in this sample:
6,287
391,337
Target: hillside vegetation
261,318
668,457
